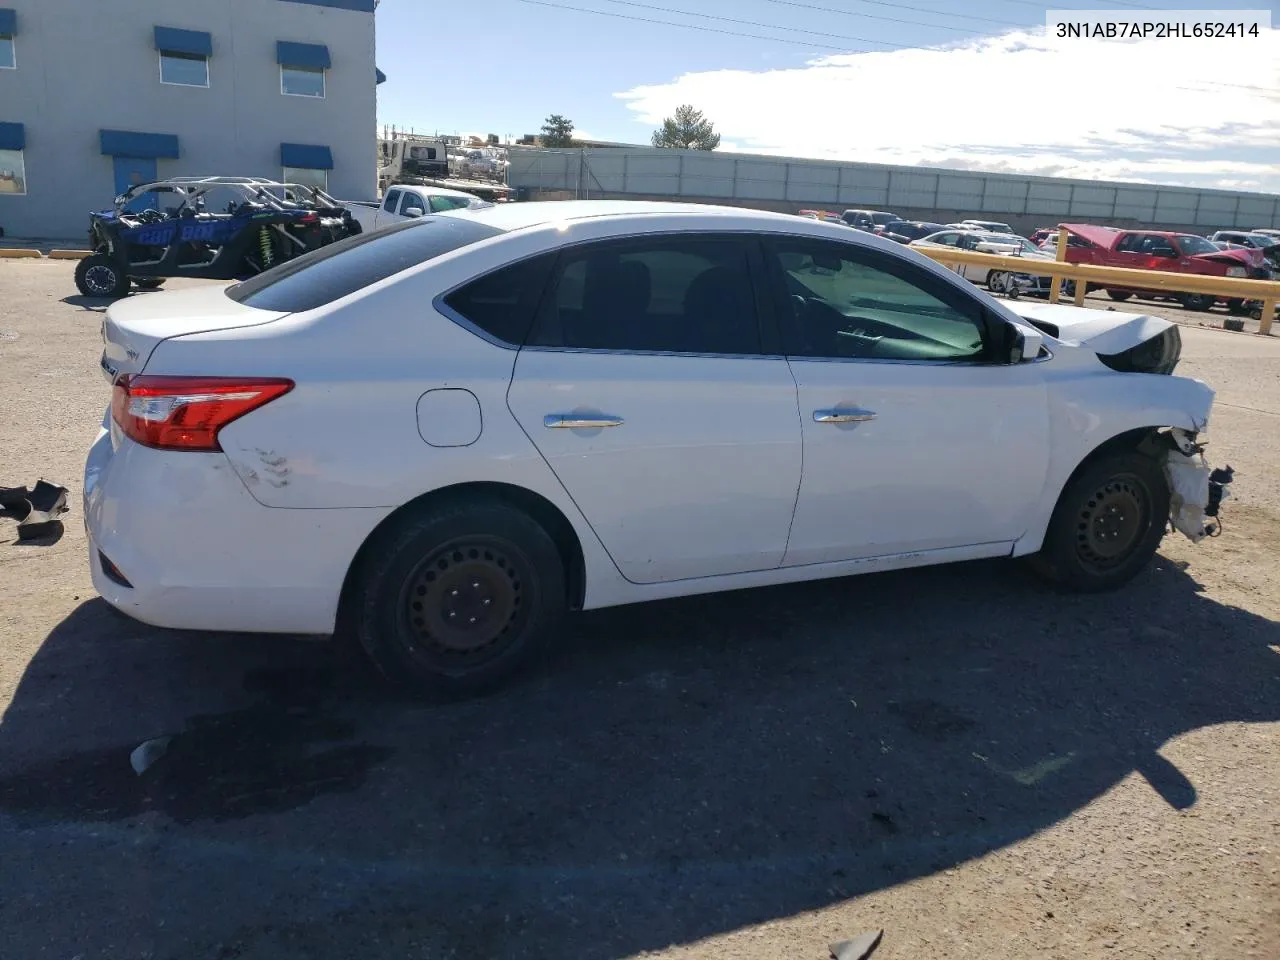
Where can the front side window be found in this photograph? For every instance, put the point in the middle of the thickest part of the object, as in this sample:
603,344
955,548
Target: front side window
410,200
184,69
1131,243
307,176
8,53
853,304
13,172
946,239
302,81
656,294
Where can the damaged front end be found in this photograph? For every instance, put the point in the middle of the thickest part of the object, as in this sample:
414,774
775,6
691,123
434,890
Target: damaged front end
1196,492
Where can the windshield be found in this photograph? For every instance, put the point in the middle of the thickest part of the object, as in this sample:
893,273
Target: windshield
439,203
1193,245
341,268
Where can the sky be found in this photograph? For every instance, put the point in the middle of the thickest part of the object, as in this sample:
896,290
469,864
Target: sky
976,85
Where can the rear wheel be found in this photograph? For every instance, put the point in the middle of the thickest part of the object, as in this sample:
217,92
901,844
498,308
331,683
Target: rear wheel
99,275
1199,302
1237,307
1107,524
1119,295
457,597
997,281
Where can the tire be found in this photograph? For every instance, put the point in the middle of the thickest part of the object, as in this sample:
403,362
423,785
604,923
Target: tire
473,559
1237,307
99,275
148,283
995,281
1107,524
1198,302
1119,295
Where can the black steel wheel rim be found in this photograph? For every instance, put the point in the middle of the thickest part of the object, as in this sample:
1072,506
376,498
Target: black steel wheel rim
100,278
1111,522
466,603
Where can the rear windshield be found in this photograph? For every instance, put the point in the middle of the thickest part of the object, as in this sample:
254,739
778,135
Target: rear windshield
333,271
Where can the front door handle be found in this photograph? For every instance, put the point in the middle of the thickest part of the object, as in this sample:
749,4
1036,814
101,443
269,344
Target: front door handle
571,421
843,416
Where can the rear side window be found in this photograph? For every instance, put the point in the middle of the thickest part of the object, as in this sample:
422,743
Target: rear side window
501,304
341,268
672,294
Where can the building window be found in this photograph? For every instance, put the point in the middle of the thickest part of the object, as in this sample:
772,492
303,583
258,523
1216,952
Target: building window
307,176
8,53
302,81
13,173
184,69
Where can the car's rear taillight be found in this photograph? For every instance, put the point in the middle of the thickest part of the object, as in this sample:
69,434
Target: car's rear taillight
186,413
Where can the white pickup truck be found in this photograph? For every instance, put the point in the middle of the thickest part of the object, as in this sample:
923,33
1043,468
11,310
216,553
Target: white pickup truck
403,201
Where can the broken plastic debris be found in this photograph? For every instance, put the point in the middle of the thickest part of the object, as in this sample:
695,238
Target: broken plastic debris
36,510
1189,493
147,753
859,948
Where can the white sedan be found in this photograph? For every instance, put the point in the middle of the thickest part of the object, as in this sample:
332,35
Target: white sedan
443,435
1004,244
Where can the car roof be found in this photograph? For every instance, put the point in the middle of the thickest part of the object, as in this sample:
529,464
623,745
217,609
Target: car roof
518,216
434,191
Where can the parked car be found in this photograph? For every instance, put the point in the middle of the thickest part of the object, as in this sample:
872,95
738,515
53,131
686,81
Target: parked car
904,231
997,281
1267,231
442,435
990,226
870,221
403,201
1041,234
212,228
825,216
1252,240
1168,251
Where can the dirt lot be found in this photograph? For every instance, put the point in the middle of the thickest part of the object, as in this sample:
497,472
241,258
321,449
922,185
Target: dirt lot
981,767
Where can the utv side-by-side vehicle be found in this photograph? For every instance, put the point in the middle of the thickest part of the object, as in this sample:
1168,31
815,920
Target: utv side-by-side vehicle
214,228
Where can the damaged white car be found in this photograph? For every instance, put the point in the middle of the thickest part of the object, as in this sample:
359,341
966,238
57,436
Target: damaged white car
444,435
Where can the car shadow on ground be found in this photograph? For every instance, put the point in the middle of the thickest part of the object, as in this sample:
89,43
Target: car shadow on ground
680,769
92,304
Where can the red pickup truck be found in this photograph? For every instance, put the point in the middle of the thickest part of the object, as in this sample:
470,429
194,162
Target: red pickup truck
1163,250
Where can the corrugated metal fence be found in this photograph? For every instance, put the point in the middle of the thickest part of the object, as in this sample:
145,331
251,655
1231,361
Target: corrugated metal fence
783,183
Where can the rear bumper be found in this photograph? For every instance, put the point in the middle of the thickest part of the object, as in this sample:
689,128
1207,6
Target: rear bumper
198,552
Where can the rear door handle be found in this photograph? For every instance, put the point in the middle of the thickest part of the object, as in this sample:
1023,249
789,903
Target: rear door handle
843,416
569,421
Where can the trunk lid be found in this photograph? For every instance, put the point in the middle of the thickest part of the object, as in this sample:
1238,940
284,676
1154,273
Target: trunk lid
133,327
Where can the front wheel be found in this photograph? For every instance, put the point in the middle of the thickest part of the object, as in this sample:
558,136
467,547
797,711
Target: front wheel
455,598
1107,524
1198,302
1238,308
148,283
1119,295
99,275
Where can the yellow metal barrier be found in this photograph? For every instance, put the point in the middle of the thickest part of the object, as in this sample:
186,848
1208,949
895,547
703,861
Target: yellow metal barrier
1235,288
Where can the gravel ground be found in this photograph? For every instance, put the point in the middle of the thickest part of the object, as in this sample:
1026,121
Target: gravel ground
980,766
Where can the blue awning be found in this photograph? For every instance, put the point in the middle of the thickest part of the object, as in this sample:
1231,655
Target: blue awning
305,155
126,143
381,77
8,21
173,40
314,55
13,136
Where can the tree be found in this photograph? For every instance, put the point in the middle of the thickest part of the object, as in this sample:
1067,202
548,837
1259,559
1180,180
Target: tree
557,131
687,130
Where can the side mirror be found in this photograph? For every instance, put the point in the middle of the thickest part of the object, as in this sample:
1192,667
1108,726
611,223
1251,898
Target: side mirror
1027,343
413,211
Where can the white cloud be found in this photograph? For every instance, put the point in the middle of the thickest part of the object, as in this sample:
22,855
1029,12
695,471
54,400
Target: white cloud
1202,113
